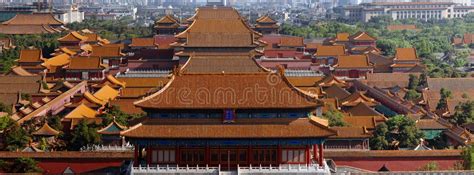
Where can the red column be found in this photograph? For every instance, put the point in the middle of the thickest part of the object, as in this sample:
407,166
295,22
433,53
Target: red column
178,155
321,154
307,155
279,154
315,152
148,155
249,155
207,156
135,156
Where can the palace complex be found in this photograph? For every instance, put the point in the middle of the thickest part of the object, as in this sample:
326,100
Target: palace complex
214,93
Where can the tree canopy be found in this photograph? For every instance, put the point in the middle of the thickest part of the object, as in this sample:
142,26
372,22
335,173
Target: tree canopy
443,101
83,135
16,138
432,40
397,129
335,118
24,165
464,113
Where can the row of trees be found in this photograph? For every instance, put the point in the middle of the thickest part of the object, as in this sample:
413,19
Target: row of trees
434,37
113,30
17,137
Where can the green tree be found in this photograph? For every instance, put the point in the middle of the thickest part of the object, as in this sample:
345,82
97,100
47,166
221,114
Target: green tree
423,81
468,157
432,166
464,113
120,116
55,122
379,141
413,81
5,108
460,57
443,101
335,118
25,165
84,135
412,95
16,138
5,122
398,128
43,144
404,130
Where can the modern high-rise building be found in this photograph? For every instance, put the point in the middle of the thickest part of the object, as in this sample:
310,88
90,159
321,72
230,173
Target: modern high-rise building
406,10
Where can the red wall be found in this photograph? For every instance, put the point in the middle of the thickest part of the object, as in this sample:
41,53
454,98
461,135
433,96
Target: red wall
57,166
397,164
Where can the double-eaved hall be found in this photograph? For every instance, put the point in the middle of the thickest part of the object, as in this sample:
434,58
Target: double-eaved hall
222,110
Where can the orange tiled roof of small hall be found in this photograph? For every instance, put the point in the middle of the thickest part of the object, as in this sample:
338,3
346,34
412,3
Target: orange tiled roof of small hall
241,128
335,50
353,61
73,37
107,51
222,64
33,19
46,130
143,42
365,49
369,122
28,29
64,50
115,81
291,41
337,92
362,109
274,26
106,93
330,80
92,99
30,55
18,70
362,36
82,112
429,124
351,132
358,97
406,54
57,61
242,95
218,27
103,41
266,19
459,87
167,19
92,37
85,63
88,100
342,37
401,27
